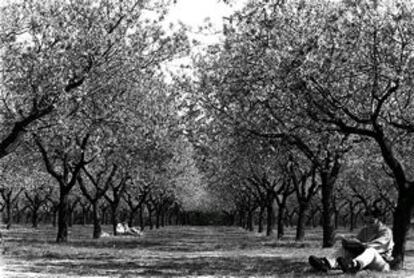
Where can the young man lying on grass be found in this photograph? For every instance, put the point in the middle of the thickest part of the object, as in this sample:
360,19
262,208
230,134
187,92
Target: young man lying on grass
370,249
124,229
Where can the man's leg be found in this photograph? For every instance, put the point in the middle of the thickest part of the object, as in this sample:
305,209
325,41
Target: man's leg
341,252
371,259
326,263
319,264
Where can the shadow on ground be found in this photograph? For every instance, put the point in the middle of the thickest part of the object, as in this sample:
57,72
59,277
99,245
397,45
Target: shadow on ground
172,251
235,266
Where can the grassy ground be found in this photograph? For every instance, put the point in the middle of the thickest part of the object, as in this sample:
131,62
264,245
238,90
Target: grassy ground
170,251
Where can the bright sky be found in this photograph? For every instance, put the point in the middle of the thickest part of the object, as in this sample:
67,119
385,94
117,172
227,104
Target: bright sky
197,13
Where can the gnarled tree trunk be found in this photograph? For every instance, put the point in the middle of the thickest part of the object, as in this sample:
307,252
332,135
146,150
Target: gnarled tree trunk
63,211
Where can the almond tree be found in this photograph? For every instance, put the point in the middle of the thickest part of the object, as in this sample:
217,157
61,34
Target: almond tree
79,65
135,198
36,197
94,190
246,84
357,79
117,187
10,197
52,205
18,172
64,163
306,186
48,51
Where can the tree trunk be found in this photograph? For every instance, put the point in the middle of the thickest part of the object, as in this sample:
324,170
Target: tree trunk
270,218
97,230
351,217
114,218
141,217
260,224
281,216
162,218
157,219
35,214
150,219
170,218
8,215
280,224
300,226
249,220
356,217
241,217
327,212
177,218
85,212
187,218
131,219
18,216
402,218
104,216
62,234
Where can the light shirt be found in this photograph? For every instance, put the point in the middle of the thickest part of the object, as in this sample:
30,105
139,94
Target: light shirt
379,237
120,228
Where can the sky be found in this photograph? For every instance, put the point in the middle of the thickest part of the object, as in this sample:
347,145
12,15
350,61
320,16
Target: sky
196,13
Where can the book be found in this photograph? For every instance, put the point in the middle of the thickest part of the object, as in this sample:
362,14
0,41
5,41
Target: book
353,245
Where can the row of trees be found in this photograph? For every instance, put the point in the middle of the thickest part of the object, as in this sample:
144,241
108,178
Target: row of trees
292,192
304,105
307,99
86,113
108,200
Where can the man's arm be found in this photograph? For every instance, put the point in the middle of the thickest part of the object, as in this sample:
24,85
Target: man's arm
382,242
340,237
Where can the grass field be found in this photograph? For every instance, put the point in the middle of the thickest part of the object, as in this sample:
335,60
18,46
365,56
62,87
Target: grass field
169,251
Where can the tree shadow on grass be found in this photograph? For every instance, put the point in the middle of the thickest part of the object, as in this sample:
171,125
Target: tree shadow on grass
170,252
181,266
114,242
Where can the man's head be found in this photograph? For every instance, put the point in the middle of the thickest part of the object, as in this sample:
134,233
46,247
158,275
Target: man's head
372,216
